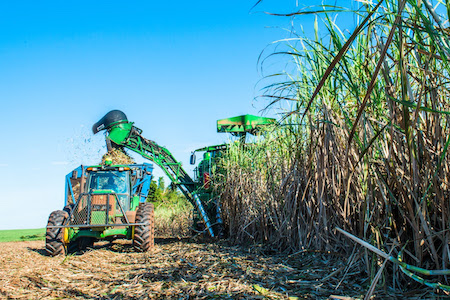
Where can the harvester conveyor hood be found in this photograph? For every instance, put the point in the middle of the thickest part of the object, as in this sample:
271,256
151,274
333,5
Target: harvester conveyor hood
114,117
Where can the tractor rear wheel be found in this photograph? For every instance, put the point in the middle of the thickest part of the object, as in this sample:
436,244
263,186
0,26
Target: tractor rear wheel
144,235
54,237
85,243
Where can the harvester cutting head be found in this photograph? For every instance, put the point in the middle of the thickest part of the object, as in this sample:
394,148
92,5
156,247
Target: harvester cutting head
241,125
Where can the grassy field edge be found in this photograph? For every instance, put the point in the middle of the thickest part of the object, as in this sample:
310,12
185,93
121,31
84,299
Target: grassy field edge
15,235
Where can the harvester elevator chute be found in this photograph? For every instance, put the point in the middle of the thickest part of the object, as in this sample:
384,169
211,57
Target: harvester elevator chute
122,134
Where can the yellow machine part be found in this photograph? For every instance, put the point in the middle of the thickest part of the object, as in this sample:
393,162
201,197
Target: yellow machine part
66,235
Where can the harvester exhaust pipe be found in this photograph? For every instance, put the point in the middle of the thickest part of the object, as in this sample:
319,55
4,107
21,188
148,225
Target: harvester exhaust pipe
112,118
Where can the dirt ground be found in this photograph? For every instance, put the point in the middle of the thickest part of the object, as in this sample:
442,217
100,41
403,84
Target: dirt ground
174,269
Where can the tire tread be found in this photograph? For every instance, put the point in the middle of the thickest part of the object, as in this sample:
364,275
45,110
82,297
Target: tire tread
144,235
54,243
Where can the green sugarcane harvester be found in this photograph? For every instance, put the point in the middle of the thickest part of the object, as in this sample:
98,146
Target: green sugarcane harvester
122,134
107,202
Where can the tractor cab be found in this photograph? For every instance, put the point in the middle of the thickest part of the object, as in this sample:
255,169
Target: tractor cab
107,199
113,181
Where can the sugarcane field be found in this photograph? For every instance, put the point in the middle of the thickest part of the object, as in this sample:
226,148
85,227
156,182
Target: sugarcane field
242,150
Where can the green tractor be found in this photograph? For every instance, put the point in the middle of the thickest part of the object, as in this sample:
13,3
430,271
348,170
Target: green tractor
103,203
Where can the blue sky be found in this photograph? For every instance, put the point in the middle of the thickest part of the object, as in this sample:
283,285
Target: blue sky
173,67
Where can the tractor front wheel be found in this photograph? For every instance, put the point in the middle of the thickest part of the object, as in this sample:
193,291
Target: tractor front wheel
54,237
144,235
68,208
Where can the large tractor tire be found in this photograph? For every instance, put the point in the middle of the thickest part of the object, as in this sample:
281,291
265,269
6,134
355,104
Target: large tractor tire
68,208
144,235
54,237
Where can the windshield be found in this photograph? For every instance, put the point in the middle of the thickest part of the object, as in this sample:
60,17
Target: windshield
111,180
115,181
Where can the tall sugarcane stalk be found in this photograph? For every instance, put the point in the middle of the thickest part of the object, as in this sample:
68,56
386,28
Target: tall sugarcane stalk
363,141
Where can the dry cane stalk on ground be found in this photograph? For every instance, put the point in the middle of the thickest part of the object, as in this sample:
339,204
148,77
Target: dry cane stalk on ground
176,268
